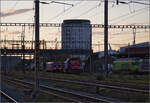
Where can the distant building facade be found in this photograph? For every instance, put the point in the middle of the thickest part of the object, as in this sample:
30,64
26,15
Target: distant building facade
76,34
140,45
138,50
9,62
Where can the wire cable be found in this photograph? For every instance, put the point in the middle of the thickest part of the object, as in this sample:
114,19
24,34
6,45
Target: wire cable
13,7
60,14
89,10
30,17
139,3
129,16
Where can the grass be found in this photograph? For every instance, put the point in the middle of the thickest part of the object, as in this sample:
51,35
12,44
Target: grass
122,95
93,77
42,97
124,78
125,96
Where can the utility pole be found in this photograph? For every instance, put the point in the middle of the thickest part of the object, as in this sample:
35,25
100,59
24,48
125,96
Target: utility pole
128,50
106,36
23,48
134,35
32,37
117,2
99,46
37,50
5,59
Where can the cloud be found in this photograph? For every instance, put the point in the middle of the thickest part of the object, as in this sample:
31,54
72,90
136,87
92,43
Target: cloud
14,12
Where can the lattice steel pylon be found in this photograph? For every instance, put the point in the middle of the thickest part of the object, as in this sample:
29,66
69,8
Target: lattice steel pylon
134,35
93,25
23,48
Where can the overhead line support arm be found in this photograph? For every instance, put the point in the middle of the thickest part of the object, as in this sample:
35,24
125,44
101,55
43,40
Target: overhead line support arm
93,25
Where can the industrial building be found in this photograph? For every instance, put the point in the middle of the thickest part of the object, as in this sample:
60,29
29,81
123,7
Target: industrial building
76,34
9,62
137,50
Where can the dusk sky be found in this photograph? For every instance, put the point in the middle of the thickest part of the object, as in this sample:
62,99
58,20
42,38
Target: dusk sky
128,14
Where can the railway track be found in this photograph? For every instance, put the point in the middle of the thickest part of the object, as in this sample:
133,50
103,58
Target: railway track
101,85
7,97
110,85
68,95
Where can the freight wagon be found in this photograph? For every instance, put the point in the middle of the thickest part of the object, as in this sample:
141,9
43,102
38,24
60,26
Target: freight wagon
137,50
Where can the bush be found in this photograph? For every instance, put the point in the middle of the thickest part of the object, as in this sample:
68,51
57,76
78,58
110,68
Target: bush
100,77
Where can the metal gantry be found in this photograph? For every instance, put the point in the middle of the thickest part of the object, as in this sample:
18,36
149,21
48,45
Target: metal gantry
134,35
93,25
45,44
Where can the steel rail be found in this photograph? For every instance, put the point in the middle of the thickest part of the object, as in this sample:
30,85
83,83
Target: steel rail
97,85
28,85
87,97
10,99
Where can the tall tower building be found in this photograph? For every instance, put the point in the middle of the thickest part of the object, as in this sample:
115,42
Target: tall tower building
76,34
